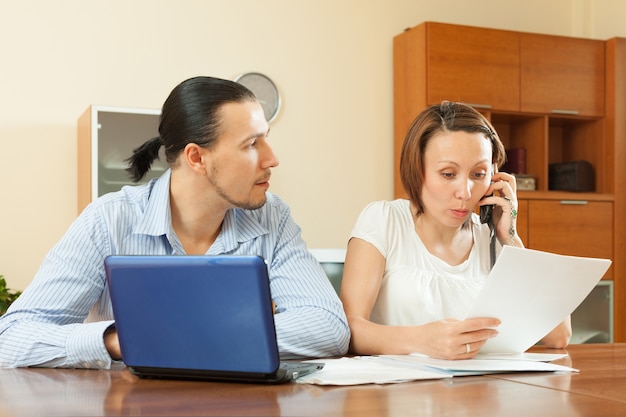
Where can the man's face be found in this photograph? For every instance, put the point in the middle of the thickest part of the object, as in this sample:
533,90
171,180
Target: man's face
241,160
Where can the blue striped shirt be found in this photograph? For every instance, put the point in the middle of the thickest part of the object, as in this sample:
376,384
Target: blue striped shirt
60,319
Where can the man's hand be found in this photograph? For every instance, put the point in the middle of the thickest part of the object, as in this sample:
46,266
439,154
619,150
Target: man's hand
112,343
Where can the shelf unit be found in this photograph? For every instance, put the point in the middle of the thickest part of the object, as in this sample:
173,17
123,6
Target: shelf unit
106,137
561,99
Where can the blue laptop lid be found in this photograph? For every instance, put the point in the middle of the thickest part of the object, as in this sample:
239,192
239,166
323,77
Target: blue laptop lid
207,313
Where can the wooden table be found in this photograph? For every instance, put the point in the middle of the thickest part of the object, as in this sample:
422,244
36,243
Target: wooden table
598,390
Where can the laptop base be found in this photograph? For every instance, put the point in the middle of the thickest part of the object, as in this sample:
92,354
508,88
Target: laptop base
287,372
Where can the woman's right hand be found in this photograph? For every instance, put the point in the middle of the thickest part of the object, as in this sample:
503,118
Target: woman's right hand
457,339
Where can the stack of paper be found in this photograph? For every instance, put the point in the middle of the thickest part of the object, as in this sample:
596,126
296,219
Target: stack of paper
387,369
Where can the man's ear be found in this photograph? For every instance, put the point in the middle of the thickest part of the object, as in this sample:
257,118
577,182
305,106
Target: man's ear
194,157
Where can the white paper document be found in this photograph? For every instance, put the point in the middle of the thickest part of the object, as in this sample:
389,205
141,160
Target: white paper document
391,369
531,292
525,356
474,366
359,370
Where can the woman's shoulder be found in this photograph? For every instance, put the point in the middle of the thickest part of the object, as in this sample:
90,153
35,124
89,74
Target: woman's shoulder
384,216
399,207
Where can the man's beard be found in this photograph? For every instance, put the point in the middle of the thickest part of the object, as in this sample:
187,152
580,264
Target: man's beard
246,204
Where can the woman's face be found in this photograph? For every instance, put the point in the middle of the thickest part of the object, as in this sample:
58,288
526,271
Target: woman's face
457,174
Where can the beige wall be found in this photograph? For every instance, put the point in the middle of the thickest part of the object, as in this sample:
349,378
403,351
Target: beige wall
332,60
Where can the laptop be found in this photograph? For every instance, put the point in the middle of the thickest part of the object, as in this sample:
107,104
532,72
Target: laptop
198,317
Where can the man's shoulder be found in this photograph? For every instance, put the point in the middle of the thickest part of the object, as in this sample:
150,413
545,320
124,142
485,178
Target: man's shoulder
133,198
127,195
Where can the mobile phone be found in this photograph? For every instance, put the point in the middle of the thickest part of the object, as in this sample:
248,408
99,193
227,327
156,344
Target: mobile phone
486,214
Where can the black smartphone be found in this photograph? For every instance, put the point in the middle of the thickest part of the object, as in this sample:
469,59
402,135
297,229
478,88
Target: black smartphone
486,214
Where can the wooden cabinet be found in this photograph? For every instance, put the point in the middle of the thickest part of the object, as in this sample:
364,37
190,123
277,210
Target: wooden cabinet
561,99
473,65
561,75
542,92
572,227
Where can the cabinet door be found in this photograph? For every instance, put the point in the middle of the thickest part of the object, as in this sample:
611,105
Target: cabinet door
473,65
562,75
571,227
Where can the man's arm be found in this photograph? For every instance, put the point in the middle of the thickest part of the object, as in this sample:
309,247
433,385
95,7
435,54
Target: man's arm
310,320
44,326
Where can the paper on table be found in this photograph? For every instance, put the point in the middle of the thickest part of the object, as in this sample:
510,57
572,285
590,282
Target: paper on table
368,370
525,356
386,369
531,292
480,366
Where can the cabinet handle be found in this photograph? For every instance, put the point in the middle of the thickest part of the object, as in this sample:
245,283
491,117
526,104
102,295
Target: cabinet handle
479,105
561,111
574,202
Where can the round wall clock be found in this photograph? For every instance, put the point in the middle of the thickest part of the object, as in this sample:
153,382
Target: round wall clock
265,91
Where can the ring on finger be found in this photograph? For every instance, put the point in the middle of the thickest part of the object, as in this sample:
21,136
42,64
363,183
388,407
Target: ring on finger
468,348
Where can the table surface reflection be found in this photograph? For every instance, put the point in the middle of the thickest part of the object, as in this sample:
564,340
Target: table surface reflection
598,390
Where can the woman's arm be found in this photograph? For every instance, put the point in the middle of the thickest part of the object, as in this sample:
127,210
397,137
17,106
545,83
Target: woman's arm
560,336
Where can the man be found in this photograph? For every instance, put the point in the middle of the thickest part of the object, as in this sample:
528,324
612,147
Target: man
212,200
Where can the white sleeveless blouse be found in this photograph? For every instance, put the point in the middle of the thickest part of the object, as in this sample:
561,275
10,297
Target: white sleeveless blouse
418,287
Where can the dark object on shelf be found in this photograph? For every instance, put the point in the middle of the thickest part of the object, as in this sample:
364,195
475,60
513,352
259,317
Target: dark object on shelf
515,161
571,176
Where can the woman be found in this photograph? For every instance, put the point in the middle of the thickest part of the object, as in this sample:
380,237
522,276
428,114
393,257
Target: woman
413,267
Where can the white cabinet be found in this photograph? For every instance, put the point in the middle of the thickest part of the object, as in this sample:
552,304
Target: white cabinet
107,137
592,321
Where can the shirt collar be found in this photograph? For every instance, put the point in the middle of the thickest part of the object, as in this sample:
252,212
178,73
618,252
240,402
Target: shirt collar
156,218
240,226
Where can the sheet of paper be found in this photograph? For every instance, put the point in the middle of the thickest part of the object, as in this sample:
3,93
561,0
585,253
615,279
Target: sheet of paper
531,292
481,366
368,370
526,356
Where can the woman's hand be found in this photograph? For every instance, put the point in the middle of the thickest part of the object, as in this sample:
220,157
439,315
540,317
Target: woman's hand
455,339
504,189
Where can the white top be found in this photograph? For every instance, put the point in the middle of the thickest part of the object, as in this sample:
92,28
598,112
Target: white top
418,287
